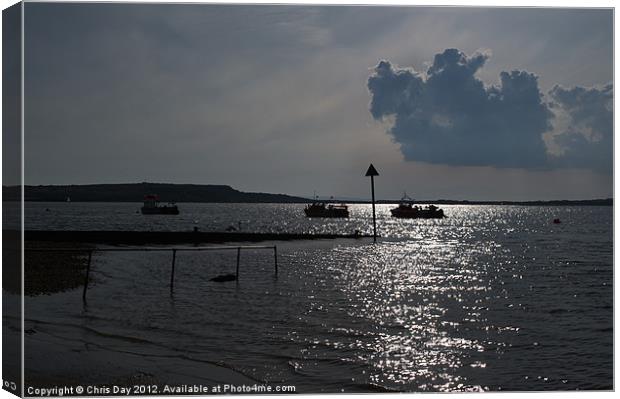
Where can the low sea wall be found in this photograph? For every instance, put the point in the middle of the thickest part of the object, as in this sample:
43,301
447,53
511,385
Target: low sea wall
172,237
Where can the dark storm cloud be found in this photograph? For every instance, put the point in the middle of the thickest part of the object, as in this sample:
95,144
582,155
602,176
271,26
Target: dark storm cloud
584,138
448,116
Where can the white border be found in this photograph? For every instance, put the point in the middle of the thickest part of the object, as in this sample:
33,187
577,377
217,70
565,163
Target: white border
478,3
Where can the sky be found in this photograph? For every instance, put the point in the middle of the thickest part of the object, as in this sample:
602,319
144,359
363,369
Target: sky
455,103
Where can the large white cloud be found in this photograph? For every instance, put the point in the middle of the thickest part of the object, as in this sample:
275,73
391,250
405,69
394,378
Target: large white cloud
447,115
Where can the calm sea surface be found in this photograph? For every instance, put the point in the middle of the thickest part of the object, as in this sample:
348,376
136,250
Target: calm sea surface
493,297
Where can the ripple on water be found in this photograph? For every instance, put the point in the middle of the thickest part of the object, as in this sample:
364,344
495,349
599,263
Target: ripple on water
490,298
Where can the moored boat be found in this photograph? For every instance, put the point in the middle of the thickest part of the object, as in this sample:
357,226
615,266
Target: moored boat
323,210
152,207
407,210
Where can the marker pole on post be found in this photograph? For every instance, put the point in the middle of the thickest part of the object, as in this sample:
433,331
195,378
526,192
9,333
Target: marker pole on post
372,172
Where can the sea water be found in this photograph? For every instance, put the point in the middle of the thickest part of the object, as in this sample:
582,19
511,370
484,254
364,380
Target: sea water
490,298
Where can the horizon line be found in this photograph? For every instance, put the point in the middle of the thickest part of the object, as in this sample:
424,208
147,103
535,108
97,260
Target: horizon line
333,198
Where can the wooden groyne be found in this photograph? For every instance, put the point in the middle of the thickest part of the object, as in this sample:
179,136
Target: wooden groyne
173,237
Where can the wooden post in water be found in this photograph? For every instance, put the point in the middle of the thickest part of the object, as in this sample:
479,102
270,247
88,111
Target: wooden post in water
90,256
238,258
275,259
372,172
174,258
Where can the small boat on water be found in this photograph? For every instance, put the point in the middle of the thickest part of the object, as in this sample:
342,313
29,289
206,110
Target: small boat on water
323,210
407,210
152,207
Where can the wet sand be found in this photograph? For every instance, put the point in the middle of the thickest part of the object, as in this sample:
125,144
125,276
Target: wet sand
52,360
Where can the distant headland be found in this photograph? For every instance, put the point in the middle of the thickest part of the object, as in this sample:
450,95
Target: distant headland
134,192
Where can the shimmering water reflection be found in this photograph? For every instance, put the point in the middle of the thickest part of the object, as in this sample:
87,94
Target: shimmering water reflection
492,298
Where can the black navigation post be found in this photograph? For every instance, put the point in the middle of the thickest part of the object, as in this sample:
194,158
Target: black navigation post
372,172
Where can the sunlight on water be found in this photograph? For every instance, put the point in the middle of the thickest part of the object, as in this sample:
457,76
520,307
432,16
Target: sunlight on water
489,298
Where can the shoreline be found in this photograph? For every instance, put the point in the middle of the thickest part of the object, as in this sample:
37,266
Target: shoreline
87,361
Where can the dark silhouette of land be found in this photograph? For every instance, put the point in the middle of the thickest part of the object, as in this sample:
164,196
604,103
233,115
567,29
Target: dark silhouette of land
134,192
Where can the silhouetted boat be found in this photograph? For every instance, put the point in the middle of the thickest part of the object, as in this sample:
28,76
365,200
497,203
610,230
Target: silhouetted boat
152,207
406,210
323,210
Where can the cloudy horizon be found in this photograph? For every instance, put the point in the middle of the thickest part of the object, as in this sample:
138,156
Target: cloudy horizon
455,103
